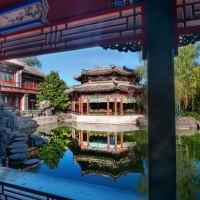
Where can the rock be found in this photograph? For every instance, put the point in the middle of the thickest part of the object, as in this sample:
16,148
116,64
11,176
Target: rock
181,122
38,141
65,117
46,108
31,162
186,123
19,150
10,119
17,146
21,139
16,143
17,158
20,135
142,121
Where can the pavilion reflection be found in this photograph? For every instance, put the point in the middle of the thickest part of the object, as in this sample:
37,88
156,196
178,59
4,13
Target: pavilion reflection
108,153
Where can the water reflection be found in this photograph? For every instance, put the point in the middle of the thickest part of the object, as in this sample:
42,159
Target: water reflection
108,158
116,157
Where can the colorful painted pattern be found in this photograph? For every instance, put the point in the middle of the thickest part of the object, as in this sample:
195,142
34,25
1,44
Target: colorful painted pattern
23,16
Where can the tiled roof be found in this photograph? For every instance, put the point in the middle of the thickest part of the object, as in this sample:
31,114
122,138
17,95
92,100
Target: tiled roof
105,71
103,87
26,69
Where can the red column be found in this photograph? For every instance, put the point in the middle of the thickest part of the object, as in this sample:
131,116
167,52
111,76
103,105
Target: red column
115,105
108,105
122,142
88,112
73,133
121,105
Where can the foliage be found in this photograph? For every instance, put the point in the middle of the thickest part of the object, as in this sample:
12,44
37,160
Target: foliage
188,177
54,150
52,89
193,114
32,61
187,74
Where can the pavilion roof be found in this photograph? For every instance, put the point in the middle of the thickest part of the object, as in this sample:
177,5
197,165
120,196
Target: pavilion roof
104,86
105,71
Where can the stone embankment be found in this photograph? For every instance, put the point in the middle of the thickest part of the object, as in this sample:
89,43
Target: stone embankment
182,123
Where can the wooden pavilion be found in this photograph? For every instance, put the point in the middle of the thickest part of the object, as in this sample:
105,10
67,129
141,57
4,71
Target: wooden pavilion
106,91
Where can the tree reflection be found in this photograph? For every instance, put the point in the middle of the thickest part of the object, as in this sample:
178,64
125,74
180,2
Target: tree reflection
188,178
53,151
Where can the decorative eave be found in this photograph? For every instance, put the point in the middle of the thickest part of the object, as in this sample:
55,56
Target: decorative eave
99,71
91,87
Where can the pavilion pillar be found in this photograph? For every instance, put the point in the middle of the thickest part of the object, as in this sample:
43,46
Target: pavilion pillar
122,141
88,109
108,142
108,105
81,105
73,133
115,105
115,140
161,108
121,105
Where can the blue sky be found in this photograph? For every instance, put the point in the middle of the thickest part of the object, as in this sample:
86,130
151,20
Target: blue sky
71,63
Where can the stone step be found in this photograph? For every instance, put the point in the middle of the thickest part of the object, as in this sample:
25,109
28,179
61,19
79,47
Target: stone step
17,146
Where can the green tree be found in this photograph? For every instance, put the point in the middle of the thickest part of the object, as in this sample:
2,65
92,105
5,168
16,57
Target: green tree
186,76
32,61
52,89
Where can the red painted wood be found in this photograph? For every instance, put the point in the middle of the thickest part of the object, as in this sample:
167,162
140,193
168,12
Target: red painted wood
98,27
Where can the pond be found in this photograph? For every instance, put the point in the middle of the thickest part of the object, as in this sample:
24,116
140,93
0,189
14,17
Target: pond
116,157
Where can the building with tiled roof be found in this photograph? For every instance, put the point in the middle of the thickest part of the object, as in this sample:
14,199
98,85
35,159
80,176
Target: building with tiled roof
108,91
19,84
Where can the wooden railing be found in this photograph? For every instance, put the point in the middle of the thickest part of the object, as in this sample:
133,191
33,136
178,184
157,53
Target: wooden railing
10,191
33,86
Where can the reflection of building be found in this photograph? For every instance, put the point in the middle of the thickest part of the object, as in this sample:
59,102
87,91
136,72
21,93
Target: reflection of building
108,91
19,84
108,154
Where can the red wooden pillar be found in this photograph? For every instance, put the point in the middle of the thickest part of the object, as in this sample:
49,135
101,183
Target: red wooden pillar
122,142
108,142
115,105
88,111
108,105
115,143
73,133
121,105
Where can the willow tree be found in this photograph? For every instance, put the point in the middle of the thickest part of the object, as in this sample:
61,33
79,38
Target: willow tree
186,76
